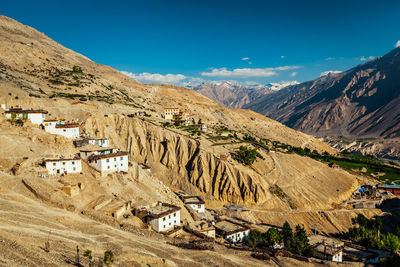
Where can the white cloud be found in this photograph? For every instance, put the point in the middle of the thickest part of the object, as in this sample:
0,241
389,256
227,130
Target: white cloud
329,58
294,73
245,58
247,72
397,44
250,63
224,72
330,71
282,57
367,58
146,77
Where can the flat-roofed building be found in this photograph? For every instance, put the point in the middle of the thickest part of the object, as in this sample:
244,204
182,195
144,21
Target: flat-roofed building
163,217
86,153
195,202
112,162
69,130
329,252
232,232
63,166
101,142
35,116
202,227
169,113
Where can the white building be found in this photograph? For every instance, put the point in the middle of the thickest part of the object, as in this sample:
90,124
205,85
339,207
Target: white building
63,166
232,232
85,154
164,217
169,113
195,202
112,162
101,142
331,252
35,116
69,130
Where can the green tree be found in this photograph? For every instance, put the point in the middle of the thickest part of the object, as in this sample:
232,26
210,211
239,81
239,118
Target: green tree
199,122
287,235
77,69
273,236
300,240
108,257
254,239
391,242
88,254
247,156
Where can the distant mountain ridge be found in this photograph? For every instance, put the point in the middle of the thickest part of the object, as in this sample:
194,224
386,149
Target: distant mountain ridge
361,102
235,95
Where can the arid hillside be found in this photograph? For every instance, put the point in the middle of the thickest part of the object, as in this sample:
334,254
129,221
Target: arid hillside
361,102
36,72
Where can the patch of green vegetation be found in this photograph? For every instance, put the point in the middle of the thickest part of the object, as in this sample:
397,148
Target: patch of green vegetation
66,95
368,232
33,95
193,131
76,69
56,81
246,155
295,242
345,160
277,191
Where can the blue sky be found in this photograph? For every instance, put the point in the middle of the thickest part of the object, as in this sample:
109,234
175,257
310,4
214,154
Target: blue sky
191,41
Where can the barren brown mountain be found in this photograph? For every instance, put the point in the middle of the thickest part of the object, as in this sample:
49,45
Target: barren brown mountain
36,72
230,94
361,102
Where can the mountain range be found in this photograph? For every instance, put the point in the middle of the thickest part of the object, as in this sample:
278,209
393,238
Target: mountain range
361,102
235,95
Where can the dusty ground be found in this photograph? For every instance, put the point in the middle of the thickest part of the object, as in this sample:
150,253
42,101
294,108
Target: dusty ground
36,72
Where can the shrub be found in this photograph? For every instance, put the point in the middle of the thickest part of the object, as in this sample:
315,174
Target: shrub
246,155
76,69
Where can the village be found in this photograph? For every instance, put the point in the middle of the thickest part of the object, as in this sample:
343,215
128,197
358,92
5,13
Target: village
207,226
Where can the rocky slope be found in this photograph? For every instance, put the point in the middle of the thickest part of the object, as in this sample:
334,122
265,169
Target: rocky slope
361,102
236,95
37,72
388,149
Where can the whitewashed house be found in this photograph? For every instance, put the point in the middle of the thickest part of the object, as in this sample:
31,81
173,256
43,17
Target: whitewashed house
35,116
69,130
195,202
164,217
232,232
63,166
112,162
169,113
85,154
329,251
101,142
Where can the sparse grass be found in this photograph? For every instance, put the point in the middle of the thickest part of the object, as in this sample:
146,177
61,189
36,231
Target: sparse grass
277,191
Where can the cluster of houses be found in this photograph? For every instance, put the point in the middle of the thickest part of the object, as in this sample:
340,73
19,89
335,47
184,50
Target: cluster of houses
69,129
182,117
162,217
379,191
166,218
99,156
